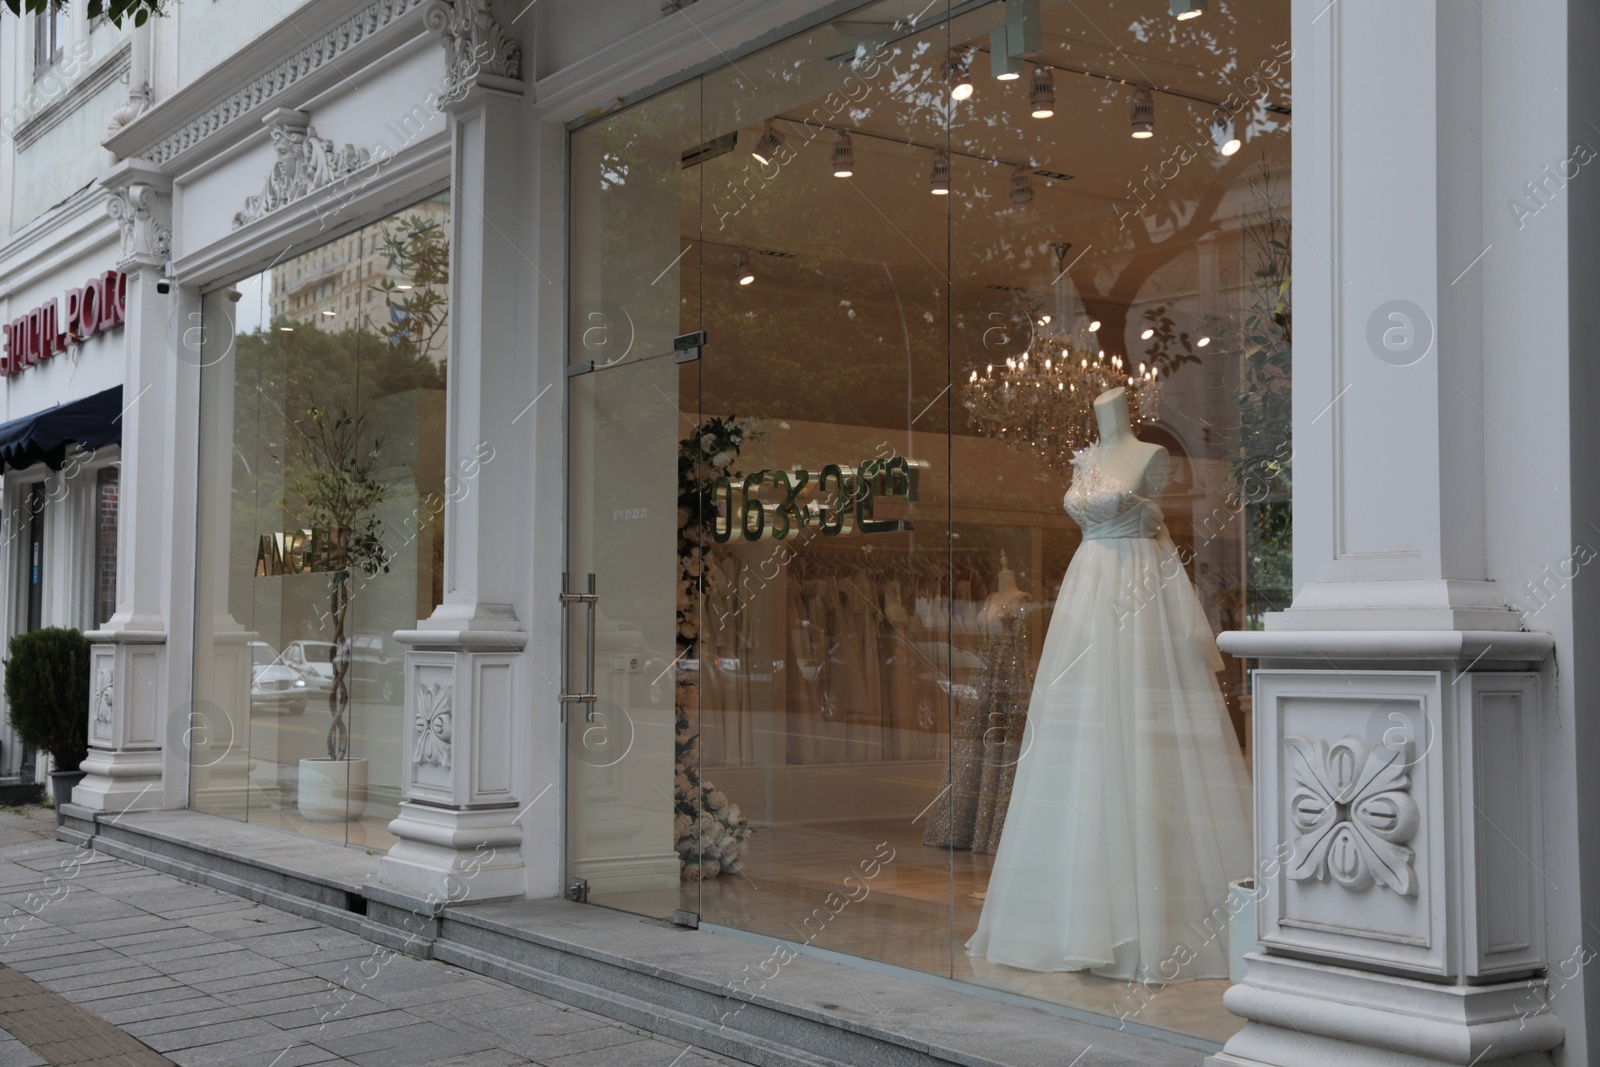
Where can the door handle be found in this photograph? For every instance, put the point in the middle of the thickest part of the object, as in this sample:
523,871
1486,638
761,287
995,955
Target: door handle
587,697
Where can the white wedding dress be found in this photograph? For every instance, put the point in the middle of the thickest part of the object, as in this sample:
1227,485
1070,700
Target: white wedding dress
1130,810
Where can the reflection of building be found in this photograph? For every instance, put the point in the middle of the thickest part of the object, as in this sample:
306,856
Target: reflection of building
335,287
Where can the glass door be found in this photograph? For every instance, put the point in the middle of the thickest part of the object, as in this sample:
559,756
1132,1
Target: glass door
635,472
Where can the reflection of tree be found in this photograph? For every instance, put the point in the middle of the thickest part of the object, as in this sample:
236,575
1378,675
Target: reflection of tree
419,249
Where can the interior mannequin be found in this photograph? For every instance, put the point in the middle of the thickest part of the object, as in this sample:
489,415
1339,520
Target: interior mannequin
1129,812
987,731
1008,596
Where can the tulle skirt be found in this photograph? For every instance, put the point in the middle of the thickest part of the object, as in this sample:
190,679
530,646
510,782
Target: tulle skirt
1130,810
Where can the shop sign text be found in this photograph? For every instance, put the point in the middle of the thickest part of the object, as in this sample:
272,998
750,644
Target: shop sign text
303,552
41,333
851,495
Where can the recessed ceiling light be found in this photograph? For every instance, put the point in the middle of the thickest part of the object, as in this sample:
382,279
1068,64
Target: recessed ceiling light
286,329
1094,325
403,286
1148,333
1183,10
1202,342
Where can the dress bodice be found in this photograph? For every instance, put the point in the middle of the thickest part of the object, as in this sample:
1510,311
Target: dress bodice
1105,508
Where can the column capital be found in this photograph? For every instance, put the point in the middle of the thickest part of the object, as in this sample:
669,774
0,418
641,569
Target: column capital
479,54
141,203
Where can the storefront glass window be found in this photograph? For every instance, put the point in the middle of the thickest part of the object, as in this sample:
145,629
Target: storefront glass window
322,499
980,411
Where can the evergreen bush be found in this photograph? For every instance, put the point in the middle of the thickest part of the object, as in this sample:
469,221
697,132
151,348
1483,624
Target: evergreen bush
47,688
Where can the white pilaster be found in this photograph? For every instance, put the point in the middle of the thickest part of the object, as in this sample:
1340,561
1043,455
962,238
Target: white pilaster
129,657
1400,719
465,671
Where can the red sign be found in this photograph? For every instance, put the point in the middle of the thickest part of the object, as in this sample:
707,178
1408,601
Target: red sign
97,307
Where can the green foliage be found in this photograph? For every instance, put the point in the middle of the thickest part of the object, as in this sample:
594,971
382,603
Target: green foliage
419,248
115,11
47,688
333,479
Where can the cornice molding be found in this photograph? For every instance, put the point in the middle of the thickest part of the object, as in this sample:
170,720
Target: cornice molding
209,109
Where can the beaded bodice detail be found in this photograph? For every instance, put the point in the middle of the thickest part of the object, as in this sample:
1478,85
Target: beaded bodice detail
1105,508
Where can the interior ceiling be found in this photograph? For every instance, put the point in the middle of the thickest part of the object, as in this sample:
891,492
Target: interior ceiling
885,214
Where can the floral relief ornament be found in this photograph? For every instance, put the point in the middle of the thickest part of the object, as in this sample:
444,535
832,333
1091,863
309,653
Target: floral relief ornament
144,221
1354,813
433,725
102,694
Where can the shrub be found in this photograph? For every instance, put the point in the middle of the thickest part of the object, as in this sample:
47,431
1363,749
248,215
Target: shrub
47,687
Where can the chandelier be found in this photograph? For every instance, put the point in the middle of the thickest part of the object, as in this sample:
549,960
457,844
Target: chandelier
1042,402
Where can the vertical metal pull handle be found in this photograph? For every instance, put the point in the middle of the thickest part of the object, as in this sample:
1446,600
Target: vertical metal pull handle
587,697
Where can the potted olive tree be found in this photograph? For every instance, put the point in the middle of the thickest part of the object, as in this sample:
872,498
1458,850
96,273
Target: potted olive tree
47,689
336,482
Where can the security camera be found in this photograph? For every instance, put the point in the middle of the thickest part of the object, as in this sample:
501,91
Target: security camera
164,283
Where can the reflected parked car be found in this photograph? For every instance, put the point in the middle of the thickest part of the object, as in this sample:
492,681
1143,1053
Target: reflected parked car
376,670
314,661
273,683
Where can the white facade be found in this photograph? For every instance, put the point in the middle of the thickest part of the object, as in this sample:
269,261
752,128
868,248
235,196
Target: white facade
1445,506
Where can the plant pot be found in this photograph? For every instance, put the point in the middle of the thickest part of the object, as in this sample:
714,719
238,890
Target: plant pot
332,790
61,783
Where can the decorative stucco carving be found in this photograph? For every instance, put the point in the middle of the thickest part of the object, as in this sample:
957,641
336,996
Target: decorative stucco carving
103,682
305,163
1352,807
433,724
322,53
144,216
474,43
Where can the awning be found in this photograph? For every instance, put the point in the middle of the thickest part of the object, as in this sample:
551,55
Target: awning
93,422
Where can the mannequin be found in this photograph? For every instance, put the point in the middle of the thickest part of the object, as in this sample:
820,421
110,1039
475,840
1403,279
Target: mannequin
1137,464
1130,807
987,732
1008,596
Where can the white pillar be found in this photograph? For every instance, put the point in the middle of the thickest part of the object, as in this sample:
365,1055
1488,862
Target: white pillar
466,675
1398,720
128,660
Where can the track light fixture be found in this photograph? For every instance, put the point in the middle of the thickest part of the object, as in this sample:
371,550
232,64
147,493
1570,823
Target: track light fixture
1183,10
1042,98
956,77
844,155
939,175
1143,115
766,149
1004,65
1223,137
741,269
1021,187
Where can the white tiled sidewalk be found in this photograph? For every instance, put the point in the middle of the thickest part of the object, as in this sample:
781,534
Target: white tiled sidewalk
206,978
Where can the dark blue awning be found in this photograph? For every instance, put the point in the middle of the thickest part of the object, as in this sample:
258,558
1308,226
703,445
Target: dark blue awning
93,422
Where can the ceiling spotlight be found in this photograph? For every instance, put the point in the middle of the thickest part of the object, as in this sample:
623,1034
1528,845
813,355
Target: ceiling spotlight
844,155
1148,333
1043,96
1003,64
330,314
1222,136
939,175
1044,320
1143,114
956,77
1202,342
1021,187
1183,10
766,149
403,286
741,269
1094,325
286,329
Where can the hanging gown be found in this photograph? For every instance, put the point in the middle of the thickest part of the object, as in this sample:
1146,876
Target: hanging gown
986,738
1129,813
